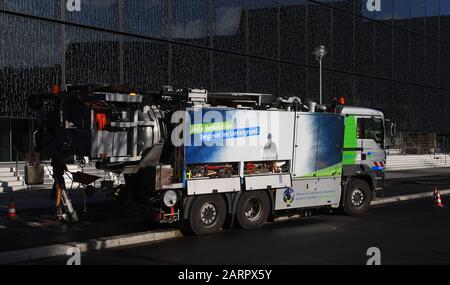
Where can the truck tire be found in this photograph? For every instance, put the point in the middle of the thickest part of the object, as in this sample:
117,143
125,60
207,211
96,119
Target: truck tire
207,215
253,209
358,197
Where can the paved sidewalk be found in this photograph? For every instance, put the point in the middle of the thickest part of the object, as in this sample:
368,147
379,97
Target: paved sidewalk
414,173
409,184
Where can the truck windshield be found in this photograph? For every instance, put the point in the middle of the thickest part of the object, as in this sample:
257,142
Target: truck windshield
371,128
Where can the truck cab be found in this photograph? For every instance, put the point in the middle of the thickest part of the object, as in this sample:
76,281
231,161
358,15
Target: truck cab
365,142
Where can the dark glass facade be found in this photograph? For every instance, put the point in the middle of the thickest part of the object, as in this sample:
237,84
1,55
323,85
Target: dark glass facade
394,58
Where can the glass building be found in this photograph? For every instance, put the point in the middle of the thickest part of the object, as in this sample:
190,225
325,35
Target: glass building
388,54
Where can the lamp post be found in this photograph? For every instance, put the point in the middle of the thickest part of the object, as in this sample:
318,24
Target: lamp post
320,52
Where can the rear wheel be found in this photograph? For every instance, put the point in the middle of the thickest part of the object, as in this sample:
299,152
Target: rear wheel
207,214
253,209
358,198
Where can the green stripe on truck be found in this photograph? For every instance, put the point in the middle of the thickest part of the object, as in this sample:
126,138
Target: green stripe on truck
334,170
350,141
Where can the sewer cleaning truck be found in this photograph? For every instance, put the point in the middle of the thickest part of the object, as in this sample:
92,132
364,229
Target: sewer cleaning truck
209,160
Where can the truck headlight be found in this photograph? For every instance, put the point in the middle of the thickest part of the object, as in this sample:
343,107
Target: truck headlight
170,198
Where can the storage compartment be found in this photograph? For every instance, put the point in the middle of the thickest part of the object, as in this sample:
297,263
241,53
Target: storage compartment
266,167
215,170
267,181
208,186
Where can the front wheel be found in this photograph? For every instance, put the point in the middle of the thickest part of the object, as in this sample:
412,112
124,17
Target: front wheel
358,198
207,214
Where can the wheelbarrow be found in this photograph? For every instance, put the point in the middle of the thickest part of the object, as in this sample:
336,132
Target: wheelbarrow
85,180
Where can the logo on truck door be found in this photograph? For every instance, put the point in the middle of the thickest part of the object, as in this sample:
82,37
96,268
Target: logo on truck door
289,196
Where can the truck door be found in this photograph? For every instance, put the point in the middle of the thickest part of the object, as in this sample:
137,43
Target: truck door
370,135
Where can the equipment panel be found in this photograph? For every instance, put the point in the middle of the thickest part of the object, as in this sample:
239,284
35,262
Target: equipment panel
309,193
267,181
209,186
318,145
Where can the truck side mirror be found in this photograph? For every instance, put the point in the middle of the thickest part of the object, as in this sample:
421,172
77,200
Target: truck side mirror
393,132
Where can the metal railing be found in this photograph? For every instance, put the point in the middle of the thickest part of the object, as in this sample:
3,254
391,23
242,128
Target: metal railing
416,143
18,155
18,152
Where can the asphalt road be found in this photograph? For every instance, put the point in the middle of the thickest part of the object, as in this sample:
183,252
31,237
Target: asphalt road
407,233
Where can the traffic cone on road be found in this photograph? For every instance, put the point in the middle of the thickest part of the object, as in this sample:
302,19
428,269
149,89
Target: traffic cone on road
438,200
12,209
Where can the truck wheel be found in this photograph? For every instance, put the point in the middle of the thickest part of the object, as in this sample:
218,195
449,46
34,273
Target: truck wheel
207,214
253,209
358,198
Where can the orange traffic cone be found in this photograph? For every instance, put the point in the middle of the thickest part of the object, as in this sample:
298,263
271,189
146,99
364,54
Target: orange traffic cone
438,200
12,209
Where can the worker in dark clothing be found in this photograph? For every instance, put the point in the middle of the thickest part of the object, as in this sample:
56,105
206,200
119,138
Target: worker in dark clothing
59,167
64,208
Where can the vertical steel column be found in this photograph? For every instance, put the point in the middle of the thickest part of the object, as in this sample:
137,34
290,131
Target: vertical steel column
62,41
320,79
121,27
279,93
211,18
247,47
168,24
10,139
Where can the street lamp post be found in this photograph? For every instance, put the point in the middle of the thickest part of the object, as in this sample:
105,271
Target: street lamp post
320,53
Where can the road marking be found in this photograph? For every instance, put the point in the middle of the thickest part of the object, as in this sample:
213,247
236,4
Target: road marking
425,182
35,225
2,227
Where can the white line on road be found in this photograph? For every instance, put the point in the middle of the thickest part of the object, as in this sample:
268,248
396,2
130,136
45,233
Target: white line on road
35,225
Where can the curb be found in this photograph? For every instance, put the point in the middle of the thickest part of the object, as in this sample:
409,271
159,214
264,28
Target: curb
89,245
417,196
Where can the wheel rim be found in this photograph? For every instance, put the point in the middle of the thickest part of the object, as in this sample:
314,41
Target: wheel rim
357,197
208,214
253,209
